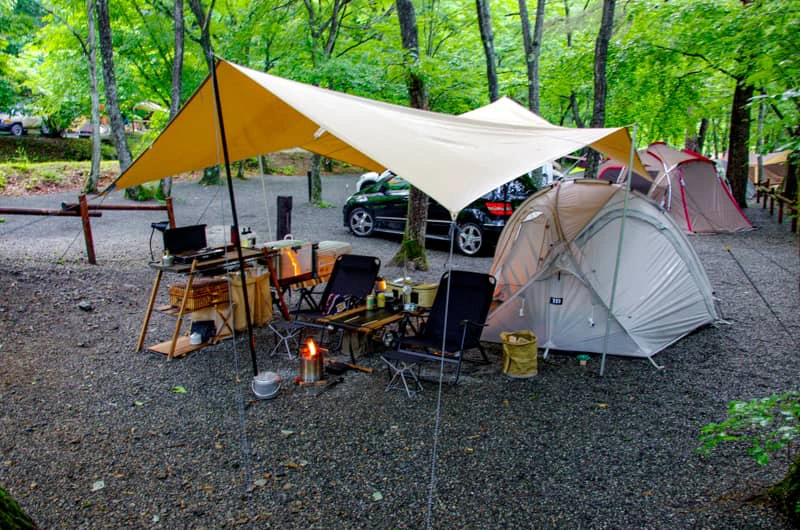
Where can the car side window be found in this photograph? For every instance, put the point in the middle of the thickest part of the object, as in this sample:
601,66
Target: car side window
396,184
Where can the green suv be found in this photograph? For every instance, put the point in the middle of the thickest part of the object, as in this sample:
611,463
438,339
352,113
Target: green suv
382,206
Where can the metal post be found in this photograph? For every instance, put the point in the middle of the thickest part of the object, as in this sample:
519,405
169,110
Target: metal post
235,217
619,255
308,174
87,229
170,213
284,225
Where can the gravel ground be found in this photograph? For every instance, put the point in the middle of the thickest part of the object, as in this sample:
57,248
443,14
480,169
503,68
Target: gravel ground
566,449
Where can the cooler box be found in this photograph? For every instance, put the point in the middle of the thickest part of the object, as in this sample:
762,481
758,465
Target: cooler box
426,292
295,258
327,252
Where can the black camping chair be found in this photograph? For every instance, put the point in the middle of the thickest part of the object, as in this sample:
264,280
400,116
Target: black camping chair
351,280
470,296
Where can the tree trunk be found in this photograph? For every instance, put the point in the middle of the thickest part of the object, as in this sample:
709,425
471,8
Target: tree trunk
600,82
211,175
739,142
177,78
112,99
532,44
316,180
487,37
792,179
787,492
573,97
94,172
412,250
320,54
695,142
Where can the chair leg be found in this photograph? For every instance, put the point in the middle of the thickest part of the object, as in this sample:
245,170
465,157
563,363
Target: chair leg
483,353
284,336
398,370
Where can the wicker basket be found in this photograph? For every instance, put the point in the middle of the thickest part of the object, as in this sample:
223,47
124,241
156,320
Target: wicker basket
204,293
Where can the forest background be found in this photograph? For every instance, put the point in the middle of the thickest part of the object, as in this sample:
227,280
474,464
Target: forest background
683,71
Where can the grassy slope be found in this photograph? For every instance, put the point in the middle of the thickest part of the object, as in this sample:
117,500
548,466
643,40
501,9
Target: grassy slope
34,164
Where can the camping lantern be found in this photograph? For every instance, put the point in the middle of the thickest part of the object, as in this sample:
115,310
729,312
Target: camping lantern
310,362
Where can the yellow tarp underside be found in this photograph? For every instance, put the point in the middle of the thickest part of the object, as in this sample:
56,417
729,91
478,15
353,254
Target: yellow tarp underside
454,159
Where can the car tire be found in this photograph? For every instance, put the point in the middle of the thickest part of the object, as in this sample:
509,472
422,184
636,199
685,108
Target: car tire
470,239
361,222
17,130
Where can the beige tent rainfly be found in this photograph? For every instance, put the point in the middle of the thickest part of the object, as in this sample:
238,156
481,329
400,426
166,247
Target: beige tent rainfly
263,113
555,267
775,167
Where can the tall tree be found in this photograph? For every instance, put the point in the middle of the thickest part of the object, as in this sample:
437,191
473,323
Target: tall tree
324,32
211,176
600,81
89,52
112,99
91,45
487,37
739,142
412,250
177,76
532,44
573,96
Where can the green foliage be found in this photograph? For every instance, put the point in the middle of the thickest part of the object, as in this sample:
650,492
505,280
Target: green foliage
147,192
670,63
766,424
37,149
12,517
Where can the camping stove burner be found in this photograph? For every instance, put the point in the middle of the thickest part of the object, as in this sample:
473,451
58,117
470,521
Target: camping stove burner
310,362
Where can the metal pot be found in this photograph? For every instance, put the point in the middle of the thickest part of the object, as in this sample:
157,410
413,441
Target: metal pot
266,385
310,364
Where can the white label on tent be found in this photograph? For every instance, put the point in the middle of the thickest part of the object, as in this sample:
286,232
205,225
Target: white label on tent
556,301
531,216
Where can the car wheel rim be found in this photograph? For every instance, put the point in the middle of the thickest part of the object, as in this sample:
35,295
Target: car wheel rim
470,239
361,223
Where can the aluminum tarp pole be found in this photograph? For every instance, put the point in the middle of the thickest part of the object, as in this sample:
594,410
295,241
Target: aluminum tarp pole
438,416
619,255
237,243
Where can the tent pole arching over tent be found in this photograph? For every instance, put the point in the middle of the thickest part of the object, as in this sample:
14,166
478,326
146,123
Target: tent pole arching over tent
237,242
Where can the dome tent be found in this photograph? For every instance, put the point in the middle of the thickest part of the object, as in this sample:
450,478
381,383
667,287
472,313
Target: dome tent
555,264
690,189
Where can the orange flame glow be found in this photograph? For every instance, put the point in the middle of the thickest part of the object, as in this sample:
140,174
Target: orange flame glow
311,349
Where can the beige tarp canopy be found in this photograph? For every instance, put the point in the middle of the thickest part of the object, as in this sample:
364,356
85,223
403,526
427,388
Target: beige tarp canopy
263,113
616,144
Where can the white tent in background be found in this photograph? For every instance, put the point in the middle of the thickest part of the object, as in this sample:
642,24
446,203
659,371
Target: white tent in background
555,265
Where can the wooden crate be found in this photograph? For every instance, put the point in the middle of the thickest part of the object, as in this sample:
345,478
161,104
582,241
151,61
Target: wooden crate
204,293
